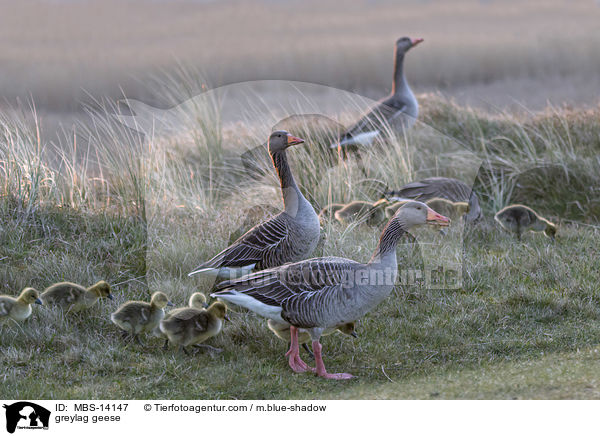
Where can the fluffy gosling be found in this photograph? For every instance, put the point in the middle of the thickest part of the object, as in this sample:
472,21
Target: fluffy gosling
191,326
372,214
518,218
135,317
197,301
18,309
74,298
282,331
452,209
328,211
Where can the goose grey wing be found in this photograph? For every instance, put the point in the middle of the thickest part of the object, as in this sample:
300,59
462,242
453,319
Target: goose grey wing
378,119
426,189
304,290
262,241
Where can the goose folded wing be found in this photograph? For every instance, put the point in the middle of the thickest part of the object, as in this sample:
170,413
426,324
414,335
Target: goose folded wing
378,119
301,289
252,246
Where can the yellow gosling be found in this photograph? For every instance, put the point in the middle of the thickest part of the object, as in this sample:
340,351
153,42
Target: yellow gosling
191,326
71,297
135,317
18,309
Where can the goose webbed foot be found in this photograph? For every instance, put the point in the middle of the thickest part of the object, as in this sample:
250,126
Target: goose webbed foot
320,366
293,355
166,345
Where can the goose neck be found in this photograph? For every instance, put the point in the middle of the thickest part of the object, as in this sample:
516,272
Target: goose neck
399,83
386,248
293,200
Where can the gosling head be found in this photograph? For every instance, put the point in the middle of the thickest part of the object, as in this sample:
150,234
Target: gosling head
198,301
30,296
280,140
348,329
415,213
102,290
219,309
160,300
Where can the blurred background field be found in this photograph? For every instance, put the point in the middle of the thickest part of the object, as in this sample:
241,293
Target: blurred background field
513,86
499,53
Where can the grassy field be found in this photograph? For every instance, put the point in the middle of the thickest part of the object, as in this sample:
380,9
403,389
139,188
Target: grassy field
142,214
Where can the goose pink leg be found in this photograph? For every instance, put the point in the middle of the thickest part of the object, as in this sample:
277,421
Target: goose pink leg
296,363
321,371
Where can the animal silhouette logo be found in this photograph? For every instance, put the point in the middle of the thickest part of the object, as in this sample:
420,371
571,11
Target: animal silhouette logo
26,415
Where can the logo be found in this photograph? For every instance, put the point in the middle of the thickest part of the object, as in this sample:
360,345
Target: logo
26,415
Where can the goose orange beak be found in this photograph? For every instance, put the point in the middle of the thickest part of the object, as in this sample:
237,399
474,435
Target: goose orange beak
293,140
435,218
416,41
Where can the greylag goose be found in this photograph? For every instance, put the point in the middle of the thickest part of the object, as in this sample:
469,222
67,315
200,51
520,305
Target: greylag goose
135,317
287,237
192,326
439,187
73,298
399,110
322,293
18,309
282,331
517,218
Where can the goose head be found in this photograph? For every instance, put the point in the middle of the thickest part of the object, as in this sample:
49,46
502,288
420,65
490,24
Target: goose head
198,301
160,300
102,290
30,296
405,43
415,213
280,140
219,309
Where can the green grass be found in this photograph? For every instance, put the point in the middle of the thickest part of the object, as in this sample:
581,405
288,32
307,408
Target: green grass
524,307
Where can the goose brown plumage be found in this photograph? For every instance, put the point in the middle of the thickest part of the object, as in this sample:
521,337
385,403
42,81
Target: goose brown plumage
321,293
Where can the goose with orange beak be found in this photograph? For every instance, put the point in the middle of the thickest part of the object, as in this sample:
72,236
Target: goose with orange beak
397,111
289,236
319,294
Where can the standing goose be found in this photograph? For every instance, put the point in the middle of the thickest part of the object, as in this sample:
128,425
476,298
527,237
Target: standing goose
287,237
322,293
18,309
399,110
74,298
439,187
518,219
